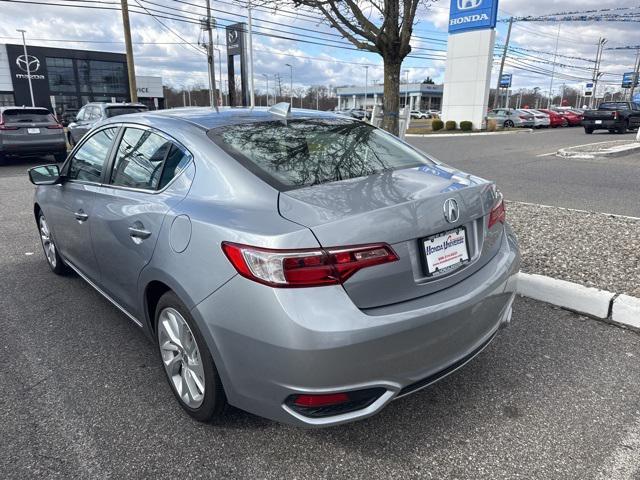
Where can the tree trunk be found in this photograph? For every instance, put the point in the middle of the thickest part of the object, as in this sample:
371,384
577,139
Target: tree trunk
391,99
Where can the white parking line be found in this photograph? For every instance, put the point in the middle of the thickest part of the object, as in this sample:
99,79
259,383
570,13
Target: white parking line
546,154
624,463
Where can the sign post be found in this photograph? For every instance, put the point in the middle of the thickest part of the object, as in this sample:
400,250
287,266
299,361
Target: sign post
469,59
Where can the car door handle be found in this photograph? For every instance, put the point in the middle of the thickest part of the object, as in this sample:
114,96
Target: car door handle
141,233
81,216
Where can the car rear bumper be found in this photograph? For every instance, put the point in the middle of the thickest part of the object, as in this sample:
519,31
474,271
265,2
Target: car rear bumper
270,343
604,124
31,146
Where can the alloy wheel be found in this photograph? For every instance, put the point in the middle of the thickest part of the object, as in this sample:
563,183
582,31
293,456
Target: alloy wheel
181,357
47,242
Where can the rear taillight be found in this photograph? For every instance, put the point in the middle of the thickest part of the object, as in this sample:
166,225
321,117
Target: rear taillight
305,268
56,126
615,115
5,127
498,213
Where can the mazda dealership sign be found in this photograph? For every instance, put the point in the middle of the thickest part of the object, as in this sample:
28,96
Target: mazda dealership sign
29,66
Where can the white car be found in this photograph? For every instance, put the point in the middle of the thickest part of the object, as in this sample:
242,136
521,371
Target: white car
541,119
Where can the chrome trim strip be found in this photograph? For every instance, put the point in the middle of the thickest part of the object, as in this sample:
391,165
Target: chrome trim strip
99,290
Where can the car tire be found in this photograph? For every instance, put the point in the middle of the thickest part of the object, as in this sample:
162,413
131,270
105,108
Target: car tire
565,123
624,128
588,130
60,157
187,361
49,247
509,124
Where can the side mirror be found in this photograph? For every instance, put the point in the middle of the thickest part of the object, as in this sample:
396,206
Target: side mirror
45,174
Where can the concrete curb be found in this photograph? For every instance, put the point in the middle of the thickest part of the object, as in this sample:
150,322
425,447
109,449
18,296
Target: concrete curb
601,304
471,134
613,151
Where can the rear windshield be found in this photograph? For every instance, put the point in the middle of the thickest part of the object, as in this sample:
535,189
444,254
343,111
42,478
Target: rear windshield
614,106
299,153
115,111
27,116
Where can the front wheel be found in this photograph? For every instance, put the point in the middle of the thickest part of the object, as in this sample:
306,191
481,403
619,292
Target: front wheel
188,364
623,128
56,263
508,124
588,130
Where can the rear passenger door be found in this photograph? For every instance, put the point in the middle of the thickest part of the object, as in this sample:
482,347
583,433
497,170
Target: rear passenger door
143,183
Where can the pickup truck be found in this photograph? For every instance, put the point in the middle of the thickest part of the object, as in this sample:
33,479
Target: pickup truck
613,116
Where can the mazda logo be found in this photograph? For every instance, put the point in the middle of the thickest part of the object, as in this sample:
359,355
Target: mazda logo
28,63
451,211
468,4
232,37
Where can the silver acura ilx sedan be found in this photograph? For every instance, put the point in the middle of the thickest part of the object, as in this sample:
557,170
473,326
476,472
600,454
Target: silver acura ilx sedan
303,266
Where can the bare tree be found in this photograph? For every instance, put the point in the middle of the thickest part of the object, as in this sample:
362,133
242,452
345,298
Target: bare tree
381,26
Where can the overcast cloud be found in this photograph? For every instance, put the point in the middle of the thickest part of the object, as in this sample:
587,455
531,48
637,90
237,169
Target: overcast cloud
157,52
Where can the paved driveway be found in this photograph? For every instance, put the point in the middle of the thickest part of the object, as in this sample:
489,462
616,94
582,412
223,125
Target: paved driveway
525,171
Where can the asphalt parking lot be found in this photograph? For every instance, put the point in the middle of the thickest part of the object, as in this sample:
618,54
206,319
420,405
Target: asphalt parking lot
526,170
555,396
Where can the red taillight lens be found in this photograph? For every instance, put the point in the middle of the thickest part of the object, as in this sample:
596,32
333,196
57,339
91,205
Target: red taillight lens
615,115
320,400
4,127
305,268
498,213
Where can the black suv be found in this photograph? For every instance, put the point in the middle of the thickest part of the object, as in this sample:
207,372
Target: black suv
95,112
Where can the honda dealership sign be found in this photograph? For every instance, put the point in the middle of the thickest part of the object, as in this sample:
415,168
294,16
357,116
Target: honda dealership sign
467,74
472,15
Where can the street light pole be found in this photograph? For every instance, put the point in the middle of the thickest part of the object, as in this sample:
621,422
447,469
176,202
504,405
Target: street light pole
251,86
366,81
553,70
290,84
406,89
26,62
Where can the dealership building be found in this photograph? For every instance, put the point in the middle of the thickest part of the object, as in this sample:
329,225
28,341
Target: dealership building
65,79
419,96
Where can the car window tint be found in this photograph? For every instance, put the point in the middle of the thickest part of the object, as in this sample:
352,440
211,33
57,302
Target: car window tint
26,115
299,153
139,159
95,113
115,111
89,159
176,161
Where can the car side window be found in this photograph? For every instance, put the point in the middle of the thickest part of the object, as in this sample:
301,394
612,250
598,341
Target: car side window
88,161
81,113
176,161
94,113
140,159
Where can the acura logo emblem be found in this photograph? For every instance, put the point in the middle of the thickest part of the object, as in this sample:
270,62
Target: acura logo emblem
451,211
28,63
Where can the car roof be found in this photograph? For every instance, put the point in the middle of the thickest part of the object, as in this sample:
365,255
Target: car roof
22,107
110,104
207,118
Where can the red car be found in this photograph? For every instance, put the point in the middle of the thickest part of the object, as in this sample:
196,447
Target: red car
573,119
555,119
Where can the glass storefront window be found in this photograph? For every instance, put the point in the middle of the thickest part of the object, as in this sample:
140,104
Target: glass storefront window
61,75
100,77
7,100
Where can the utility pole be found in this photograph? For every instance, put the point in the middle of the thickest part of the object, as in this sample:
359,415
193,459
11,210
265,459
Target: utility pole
267,78
496,99
635,77
213,98
26,62
596,70
129,48
366,81
290,83
318,98
553,70
252,98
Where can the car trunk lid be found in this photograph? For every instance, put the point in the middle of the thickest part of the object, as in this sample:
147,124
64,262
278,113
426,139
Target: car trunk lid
401,208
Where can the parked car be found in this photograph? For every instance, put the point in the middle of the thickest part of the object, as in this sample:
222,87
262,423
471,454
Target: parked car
509,118
68,116
280,266
573,119
540,119
419,114
555,119
613,116
93,113
31,131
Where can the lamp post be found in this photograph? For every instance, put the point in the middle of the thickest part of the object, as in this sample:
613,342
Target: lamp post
26,62
267,79
366,81
290,84
406,89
